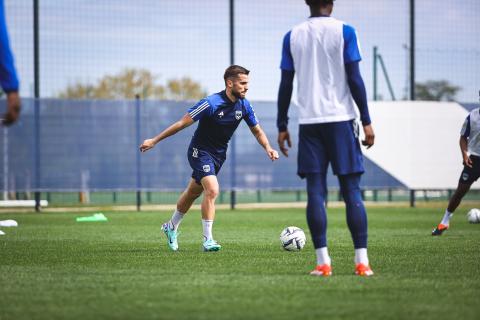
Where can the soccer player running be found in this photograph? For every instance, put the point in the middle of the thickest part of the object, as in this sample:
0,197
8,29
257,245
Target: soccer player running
325,55
219,116
8,75
470,148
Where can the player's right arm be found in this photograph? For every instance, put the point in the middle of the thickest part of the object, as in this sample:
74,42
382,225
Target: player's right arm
201,109
285,95
181,124
464,134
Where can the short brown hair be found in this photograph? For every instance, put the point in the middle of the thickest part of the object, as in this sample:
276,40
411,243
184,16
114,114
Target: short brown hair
318,2
234,71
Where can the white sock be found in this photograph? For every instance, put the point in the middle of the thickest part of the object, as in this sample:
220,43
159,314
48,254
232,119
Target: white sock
361,256
176,219
446,217
322,256
207,229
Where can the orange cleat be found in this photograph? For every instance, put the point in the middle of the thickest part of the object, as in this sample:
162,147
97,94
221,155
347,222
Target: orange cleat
323,270
439,229
363,270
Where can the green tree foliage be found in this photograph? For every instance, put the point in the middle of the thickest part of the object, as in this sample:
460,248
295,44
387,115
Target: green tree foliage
130,82
432,90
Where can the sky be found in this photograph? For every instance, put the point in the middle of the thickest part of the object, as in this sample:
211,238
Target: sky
81,41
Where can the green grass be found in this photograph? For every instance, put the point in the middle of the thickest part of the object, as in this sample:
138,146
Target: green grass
54,268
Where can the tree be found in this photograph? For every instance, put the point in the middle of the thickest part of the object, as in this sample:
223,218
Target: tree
432,90
184,89
130,82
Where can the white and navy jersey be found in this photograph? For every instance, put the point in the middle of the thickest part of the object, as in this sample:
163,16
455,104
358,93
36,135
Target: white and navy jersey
471,131
317,50
218,119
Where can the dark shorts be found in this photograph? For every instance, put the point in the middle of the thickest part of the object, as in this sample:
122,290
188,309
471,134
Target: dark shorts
334,142
470,175
203,164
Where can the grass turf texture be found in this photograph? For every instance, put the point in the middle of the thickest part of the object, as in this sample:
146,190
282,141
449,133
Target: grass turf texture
54,268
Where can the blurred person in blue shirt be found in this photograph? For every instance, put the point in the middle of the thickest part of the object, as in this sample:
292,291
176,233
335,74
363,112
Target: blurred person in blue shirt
8,75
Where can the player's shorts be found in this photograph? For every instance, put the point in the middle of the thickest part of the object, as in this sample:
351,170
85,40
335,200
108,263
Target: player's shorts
470,175
334,142
203,164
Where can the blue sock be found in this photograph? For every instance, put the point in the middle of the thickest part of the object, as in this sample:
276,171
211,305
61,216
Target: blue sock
356,214
316,214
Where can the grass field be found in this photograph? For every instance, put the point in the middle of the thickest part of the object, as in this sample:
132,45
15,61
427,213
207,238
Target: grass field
54,268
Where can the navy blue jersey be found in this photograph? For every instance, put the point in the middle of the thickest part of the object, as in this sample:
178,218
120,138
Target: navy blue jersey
218,119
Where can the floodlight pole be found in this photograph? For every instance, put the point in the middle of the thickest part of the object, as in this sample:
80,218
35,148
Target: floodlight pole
36,83
233,148
412,50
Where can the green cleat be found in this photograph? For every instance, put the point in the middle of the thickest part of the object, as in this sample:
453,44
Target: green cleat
211,245
171,236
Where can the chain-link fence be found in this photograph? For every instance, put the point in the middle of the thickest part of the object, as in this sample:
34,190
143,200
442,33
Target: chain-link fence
83,41
178,50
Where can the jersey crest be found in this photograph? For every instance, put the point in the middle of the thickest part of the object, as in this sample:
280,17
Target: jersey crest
238,114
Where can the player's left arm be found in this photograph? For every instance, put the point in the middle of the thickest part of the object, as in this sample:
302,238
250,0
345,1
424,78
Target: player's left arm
262,139
252,122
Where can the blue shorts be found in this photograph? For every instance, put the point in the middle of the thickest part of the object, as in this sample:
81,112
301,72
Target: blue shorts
333,142
203,164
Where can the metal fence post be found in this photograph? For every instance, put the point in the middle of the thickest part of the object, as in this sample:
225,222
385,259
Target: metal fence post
36,81
375,49
137,152
233,196
412,50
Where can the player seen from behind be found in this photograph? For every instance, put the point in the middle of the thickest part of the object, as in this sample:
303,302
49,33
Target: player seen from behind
324,55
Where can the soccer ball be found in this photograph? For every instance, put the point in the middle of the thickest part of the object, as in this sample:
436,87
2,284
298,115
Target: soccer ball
292,239
473,216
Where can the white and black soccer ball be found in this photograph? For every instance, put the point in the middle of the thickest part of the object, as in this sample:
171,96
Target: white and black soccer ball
292,239
473,216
